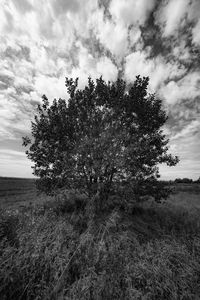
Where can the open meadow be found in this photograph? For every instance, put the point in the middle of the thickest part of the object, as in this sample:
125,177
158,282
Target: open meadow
16,192
50,249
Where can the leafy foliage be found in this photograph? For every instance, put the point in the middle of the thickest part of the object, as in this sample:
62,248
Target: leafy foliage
105,136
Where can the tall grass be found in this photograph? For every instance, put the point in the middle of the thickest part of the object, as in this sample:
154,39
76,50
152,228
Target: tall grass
52,252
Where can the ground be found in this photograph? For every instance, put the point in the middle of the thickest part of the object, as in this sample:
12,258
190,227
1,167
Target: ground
16,192
51,250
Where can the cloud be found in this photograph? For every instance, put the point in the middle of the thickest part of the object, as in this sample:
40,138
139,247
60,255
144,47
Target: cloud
11,153
139,63
15,164
23,86
52,87
182,52
62,6
193,11
179,18
107,69
6,78
185,88
112,35
170,15
196,34
131,11
188,153
8,112
189,130
22,5
135,36
42,61
187,168
115,33
93,67
186,144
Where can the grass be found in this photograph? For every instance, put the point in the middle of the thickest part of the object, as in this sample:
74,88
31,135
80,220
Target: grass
18,191
52,251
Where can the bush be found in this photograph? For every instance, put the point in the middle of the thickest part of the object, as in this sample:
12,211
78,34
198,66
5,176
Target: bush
67,202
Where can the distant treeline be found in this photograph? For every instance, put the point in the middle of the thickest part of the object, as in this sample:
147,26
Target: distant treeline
182,180
16,178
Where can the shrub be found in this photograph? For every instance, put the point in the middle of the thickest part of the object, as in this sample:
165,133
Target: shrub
67,202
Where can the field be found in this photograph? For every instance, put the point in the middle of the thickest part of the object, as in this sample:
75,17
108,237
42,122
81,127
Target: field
16,192
186,196
51,249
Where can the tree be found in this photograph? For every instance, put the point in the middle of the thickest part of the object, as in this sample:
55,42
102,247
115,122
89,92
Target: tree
105,136
183,180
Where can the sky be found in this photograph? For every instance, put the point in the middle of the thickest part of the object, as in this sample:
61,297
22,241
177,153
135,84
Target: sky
42,42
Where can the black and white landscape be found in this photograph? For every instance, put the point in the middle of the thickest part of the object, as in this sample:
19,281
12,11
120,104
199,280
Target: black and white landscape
99,149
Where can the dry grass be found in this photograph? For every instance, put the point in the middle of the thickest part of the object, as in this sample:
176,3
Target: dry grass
16,192
51,251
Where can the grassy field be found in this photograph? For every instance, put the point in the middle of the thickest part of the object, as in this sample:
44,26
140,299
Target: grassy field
55,250
16,192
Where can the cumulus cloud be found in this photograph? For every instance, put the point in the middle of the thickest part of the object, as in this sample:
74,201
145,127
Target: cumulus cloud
112,35
114,32
176,16
170,15
185,88
93,67
139,63
131,11
52,87
135,37
107,69
182,51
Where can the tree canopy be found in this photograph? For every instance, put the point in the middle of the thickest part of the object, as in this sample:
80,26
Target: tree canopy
106,135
